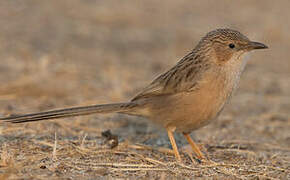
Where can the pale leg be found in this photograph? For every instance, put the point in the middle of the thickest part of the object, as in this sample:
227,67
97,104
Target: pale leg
193,146
173,144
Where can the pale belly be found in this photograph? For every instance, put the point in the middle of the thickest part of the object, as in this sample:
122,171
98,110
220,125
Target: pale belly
186,111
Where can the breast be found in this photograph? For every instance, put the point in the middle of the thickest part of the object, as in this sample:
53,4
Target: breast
208,102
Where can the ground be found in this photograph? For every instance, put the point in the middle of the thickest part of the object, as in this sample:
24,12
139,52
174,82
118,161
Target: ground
58,54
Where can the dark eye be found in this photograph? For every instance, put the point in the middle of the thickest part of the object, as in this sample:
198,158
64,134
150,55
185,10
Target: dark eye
232,46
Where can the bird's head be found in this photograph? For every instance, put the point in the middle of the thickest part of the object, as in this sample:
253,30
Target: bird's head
227,44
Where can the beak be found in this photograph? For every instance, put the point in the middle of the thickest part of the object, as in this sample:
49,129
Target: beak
256,45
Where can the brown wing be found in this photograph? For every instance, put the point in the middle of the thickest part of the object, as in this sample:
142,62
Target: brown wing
184,76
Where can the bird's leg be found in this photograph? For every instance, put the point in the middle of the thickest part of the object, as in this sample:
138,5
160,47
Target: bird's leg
173,143
193,146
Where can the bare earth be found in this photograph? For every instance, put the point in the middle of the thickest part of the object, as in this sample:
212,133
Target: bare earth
58,54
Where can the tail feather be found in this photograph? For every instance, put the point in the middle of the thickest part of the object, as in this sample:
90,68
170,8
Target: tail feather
69,112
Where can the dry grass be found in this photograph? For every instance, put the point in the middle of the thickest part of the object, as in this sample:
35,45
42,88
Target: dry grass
72,158
67,53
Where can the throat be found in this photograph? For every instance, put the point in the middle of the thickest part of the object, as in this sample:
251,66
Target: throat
231,73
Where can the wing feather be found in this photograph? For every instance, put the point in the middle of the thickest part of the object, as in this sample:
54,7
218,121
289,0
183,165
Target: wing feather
184,76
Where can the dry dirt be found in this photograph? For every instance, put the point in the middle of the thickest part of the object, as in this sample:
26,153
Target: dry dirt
67,53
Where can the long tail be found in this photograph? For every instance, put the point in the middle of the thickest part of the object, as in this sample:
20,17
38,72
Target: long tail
69,112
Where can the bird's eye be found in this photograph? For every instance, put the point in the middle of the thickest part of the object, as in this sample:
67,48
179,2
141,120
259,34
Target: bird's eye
232,46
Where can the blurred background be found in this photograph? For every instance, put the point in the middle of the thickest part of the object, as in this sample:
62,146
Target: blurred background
58,54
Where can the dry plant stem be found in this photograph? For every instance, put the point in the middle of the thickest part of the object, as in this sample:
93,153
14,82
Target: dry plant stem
173,144
54,147
194,147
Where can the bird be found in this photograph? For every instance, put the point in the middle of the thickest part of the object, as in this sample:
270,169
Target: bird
185,98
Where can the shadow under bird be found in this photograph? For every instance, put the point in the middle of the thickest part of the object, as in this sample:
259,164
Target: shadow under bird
188,96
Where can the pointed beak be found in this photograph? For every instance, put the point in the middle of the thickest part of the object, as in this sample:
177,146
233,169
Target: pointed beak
256,45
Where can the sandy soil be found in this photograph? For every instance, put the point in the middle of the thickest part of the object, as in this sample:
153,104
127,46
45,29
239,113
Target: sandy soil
67,53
